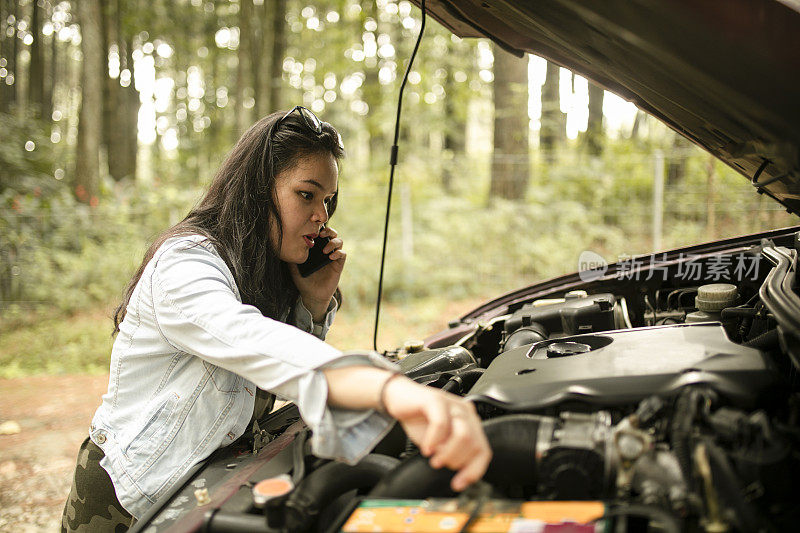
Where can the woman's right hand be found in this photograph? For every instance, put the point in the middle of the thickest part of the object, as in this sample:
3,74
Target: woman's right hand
445,427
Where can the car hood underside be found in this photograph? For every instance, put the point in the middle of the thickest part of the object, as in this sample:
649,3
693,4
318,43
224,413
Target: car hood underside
724,74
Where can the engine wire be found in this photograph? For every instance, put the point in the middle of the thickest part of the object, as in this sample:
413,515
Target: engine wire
298,457
625,316
393,164
480,492
651,308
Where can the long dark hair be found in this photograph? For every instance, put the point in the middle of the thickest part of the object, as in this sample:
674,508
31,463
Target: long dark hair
239,208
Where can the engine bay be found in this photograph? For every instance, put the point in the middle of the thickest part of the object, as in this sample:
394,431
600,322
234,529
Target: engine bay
609,370
662,404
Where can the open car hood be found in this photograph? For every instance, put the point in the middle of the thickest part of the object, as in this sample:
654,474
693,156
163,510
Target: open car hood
725,74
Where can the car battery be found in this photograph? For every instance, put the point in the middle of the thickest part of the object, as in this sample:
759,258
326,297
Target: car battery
492,516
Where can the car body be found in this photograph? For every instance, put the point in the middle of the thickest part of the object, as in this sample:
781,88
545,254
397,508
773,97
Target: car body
661,390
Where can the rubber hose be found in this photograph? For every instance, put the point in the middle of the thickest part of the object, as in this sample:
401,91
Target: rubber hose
326,483
299,457
512,439
736,312
765,341
463,381
681,430
535,332
727,484
469,377
451,384
229,522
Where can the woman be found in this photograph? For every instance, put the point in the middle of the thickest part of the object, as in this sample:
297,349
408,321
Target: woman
217,313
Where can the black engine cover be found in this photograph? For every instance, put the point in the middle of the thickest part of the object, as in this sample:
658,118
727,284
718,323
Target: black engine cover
623,367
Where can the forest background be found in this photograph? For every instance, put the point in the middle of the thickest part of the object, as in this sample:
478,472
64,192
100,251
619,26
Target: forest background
114,115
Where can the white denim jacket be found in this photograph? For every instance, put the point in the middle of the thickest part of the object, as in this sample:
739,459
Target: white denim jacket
185,367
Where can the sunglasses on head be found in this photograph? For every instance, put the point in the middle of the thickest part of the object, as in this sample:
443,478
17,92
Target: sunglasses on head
311,121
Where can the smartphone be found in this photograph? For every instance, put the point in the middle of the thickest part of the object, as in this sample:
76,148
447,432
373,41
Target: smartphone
316,259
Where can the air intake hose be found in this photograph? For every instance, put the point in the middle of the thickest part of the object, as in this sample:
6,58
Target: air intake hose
326,483
513,442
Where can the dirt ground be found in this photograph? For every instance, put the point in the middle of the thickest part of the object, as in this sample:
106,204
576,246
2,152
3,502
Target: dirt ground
36,464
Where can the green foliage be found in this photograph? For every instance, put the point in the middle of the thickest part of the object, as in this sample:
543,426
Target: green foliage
344,59
83,341
447,251
61,344
63,255
27,188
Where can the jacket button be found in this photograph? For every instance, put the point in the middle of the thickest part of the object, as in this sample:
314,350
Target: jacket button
100,438
231,435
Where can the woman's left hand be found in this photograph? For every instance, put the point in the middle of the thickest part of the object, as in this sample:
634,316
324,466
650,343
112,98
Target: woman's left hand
317,289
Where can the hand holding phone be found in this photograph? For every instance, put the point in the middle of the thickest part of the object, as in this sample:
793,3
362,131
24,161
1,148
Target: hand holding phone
316,259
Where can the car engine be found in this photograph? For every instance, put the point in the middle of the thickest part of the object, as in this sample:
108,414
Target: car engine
688,419
670,405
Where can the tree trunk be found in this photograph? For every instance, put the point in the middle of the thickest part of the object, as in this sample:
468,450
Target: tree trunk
553,122
217,115
278,51
50,80
113,109
108,106
128,96
5,45
244,116
676,167
638,120
371,94
259,37
11,55
87,171
711,214
594,136
131,103
36,76
455,122
454,134
272,13
510,160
